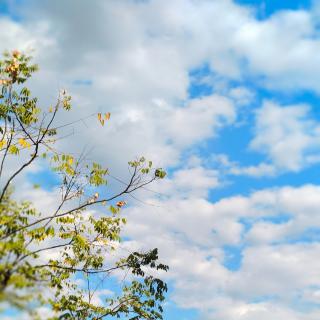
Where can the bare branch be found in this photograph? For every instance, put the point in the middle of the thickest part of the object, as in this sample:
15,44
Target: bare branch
84,270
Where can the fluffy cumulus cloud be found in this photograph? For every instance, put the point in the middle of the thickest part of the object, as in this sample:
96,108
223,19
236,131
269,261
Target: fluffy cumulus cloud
133,59
250,254
287,135
278,264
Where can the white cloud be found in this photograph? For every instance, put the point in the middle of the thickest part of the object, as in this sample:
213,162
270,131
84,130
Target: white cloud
139,53
193,181
260,170
242,95
191,234
234,310
197,121
286,135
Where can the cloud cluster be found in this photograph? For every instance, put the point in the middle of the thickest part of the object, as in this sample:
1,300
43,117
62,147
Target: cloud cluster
287,136
278,273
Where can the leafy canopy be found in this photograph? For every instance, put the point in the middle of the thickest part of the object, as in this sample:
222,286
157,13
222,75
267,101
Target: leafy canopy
60,258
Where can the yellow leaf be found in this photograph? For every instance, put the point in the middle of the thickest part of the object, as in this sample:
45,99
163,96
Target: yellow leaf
107,115
13,150
2,143
23,143
100,119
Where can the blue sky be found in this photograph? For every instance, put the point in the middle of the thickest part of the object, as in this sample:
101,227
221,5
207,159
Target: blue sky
223,94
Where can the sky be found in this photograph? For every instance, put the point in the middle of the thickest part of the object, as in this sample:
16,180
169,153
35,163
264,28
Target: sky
224,95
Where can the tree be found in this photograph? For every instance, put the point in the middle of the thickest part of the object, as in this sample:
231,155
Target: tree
83,242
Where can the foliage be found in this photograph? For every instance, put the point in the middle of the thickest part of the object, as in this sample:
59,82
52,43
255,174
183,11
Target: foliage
82,242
